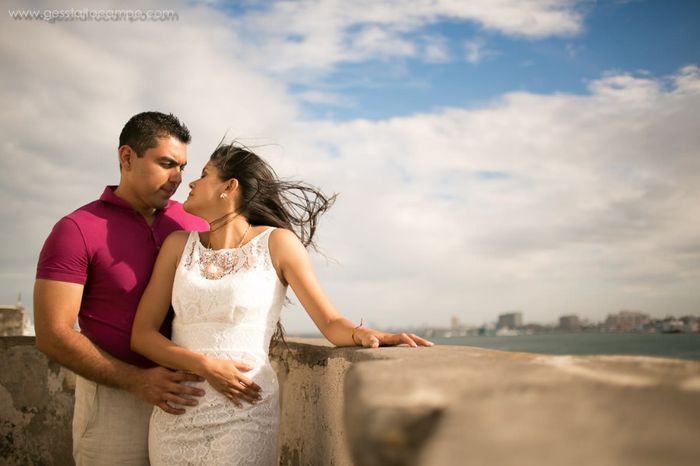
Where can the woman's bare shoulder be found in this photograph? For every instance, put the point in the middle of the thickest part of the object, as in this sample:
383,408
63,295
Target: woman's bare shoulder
284,247
283,238
283,233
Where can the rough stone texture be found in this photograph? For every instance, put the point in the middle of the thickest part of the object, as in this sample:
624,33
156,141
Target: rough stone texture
36,406
11,320
311,373
451,405
446,405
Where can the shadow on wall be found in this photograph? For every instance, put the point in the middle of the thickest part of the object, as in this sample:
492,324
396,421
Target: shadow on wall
445,405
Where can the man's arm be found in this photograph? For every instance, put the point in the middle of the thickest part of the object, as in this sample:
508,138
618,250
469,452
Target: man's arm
56,306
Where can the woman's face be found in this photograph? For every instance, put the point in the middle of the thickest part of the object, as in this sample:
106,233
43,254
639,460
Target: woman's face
205,193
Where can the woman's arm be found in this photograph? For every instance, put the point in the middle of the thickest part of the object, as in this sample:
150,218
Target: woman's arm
224,375
293,265
153,308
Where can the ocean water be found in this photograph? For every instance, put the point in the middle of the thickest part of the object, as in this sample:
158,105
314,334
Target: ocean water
672,345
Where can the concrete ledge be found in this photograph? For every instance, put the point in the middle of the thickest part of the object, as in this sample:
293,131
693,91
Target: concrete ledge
311,373
451,405
446,405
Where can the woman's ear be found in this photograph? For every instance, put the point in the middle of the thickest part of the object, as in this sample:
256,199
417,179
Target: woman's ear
232,186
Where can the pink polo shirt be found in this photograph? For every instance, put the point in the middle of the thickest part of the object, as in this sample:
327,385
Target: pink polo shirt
108,247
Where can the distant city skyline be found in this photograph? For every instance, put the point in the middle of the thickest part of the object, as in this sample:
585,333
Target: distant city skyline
514,324
456,319
488,156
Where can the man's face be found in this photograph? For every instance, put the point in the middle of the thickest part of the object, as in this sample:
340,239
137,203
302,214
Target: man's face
154,178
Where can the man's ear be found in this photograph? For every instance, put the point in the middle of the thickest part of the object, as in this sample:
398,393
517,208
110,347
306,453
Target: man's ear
126,154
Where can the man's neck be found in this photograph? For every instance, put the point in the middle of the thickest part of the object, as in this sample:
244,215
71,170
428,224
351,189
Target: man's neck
127,195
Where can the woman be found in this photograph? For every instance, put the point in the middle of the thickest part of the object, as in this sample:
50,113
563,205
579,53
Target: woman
227,288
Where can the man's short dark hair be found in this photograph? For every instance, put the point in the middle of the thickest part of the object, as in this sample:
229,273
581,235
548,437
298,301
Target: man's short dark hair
142,131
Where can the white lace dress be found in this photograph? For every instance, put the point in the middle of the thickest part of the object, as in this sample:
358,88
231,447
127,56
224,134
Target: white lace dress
231,317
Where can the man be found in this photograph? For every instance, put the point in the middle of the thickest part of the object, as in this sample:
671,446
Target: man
94,266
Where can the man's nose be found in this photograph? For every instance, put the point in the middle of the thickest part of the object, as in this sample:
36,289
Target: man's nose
176,176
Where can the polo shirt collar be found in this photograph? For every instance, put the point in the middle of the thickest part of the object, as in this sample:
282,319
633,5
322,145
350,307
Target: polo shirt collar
109,197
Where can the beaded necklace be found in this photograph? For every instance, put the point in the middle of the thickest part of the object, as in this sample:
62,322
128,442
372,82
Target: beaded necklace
216,263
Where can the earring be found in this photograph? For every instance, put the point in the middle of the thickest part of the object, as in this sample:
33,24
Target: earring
223,196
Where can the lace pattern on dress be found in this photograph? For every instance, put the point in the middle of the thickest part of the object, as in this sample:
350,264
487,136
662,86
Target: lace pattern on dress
229,318
215,264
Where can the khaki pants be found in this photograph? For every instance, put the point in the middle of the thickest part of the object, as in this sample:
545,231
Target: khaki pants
110,426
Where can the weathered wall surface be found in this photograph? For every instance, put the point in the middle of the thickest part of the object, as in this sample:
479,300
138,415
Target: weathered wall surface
446,405
11,321
36,406
453,405
311,373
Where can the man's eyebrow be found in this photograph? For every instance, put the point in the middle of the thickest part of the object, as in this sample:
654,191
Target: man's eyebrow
165,158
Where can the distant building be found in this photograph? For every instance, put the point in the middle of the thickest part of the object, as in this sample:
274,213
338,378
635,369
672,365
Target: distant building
511,320
570,323
672,325
12,319
626,321
691,324
455,323
533,328
487,329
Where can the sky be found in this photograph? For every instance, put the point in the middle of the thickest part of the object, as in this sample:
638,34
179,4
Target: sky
488,155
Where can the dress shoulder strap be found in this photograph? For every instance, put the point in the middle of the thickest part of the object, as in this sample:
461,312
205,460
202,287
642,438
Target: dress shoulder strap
190,246
263,238
266,234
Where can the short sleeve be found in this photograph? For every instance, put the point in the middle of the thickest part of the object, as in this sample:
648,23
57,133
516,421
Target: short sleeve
64,256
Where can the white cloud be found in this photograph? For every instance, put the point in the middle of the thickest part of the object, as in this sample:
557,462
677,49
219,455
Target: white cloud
588,207
687,80
435,49
374,41
68,88
310,37
593,212
325,98
477,51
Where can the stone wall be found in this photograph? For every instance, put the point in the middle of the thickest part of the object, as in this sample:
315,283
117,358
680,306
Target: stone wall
36,406
446,405
11,321
311,373
453,405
